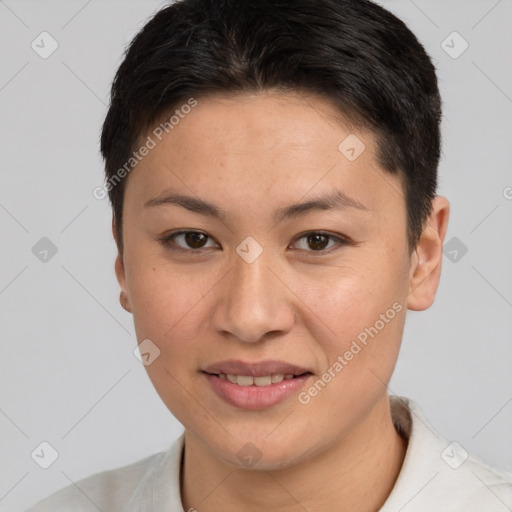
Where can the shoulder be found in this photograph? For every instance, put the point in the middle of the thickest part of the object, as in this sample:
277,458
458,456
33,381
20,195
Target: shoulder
439,474
481,486
108,490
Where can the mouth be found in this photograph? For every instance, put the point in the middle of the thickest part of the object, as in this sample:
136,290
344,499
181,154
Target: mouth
255,386
260,381
266,368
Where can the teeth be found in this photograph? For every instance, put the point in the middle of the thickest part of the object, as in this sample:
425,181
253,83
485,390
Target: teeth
246,380
262,381
242,380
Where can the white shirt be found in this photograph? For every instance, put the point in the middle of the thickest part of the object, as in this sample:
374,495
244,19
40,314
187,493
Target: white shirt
436,476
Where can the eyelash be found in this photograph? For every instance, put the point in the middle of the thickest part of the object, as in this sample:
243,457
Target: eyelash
168,243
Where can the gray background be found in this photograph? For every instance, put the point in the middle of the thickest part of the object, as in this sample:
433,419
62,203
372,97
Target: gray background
67,372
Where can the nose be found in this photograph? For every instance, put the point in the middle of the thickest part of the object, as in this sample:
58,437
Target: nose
253,302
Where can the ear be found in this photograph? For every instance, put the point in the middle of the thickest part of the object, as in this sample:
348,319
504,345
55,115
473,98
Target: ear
427,257
120,270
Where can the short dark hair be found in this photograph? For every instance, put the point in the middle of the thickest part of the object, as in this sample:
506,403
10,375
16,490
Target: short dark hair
353,52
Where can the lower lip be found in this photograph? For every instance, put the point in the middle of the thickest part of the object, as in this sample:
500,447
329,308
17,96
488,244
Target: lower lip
255,397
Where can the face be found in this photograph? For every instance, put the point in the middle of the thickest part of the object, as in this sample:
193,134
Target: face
236,280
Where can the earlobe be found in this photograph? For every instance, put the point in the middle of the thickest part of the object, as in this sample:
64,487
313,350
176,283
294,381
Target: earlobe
427,258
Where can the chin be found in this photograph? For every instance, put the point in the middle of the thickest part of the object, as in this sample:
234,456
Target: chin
264,455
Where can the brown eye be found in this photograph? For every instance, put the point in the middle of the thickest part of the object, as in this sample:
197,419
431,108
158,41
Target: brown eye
191,241
317,241
194,239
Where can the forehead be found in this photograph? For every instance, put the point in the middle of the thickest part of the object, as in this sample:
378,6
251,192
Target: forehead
264,121
262,147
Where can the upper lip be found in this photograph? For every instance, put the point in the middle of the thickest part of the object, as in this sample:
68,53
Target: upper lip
257,369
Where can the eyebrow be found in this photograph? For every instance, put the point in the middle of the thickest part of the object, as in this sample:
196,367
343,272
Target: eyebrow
336,200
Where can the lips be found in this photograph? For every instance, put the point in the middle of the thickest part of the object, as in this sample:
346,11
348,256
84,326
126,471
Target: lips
255,386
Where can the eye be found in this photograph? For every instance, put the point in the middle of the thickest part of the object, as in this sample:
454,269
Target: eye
319,240
194,240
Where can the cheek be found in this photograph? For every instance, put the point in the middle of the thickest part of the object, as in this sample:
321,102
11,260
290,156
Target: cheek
355,300
172,306
166,310
365,313
165,302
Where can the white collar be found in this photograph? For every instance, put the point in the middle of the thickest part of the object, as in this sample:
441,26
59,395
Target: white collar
435,475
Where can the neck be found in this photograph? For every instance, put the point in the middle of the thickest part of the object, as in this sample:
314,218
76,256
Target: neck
357,472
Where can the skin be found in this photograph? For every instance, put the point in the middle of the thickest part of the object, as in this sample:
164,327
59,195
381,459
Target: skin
251,154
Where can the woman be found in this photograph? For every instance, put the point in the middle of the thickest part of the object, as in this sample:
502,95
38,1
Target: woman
272,168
